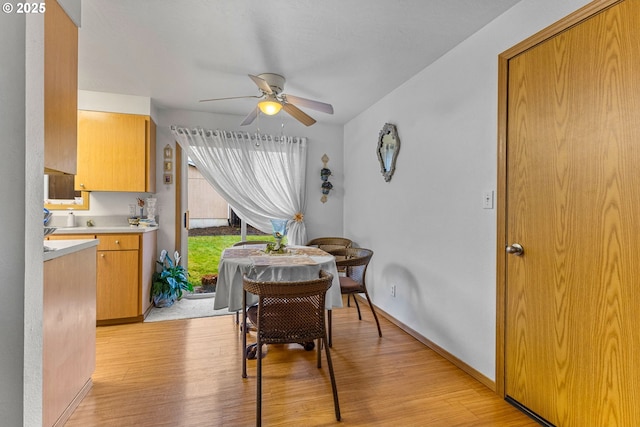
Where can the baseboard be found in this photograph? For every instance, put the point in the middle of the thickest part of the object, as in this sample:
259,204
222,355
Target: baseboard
433,346
147,311
120,321
66,414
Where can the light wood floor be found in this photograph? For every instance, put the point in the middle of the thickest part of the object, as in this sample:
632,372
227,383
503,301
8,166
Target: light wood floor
188,373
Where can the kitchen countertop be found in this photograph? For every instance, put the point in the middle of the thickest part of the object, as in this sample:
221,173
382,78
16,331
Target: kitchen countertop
99,230
66,247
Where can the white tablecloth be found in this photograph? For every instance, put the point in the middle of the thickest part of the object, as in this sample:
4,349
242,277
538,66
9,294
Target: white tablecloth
304,264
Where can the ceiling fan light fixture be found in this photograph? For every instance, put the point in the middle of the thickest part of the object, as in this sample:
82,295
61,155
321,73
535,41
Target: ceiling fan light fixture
270,106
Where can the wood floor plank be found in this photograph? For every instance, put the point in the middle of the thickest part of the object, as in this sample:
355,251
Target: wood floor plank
187,373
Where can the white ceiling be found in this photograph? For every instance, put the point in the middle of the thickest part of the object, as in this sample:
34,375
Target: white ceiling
349,53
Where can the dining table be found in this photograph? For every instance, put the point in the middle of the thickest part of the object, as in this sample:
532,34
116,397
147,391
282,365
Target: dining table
297,263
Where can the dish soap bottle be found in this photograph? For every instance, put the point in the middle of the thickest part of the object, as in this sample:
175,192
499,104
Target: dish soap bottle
71,219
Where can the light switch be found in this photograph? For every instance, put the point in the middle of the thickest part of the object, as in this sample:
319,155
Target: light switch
487,200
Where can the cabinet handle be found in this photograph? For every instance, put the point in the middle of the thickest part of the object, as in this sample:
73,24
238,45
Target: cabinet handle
102,255
117,242
82,185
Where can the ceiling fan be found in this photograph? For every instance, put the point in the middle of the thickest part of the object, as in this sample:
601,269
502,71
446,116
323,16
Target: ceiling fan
273,100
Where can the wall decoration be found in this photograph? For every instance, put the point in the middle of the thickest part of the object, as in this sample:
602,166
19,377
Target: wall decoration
168,152
387,150
325,173
167,178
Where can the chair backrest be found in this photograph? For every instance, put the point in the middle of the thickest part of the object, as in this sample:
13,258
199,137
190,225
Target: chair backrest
290,312
251,242
355,260
330,243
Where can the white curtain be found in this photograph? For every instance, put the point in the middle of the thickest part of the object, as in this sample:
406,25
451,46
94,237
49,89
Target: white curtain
262,177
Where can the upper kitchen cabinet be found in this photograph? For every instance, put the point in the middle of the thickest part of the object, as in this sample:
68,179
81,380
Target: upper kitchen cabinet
116,152
60,90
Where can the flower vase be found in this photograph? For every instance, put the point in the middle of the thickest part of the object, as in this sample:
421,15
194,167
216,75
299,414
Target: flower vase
279,231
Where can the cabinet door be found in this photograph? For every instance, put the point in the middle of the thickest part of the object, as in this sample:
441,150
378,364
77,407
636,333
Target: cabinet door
117,285
112,152
60,90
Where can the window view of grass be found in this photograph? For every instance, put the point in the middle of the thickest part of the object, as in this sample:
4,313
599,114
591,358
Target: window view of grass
205,251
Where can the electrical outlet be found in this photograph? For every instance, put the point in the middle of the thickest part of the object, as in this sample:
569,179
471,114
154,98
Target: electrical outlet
393,290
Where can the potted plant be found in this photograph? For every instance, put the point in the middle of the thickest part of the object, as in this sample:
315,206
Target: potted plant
169,283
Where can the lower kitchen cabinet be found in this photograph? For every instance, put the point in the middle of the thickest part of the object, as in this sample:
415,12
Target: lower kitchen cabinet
125,264
118,277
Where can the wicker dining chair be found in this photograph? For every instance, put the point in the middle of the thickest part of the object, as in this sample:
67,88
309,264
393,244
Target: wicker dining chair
330,243
288,312
252,242
355,262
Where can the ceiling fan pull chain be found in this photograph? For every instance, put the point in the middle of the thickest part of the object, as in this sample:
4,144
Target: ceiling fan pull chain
257,128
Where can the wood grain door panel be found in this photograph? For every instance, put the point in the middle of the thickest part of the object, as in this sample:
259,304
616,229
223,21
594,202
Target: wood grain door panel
573,203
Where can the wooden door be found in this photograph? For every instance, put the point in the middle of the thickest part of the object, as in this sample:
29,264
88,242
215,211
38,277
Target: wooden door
572,341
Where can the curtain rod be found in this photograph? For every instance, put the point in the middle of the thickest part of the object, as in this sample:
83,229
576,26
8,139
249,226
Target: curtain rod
239,134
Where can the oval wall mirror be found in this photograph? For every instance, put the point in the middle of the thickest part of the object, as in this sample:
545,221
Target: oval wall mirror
388,148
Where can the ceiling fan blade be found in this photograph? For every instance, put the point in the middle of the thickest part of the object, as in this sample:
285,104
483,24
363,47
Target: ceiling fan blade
250,118
261,83
232,97
308,103
298,114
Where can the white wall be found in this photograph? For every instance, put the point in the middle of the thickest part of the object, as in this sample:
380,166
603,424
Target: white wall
12,262
33,248
431,236
114,102
321,219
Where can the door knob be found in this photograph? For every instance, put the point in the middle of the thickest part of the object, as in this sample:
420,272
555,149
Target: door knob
515,249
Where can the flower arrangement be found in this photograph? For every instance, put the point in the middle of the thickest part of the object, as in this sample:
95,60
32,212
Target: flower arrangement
141,205
169,283
272,249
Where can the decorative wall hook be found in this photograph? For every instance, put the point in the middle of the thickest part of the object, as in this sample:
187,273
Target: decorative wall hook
325,173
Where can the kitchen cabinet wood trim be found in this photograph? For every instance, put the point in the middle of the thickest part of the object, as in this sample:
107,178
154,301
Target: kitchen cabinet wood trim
150,159
70,236
148,258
